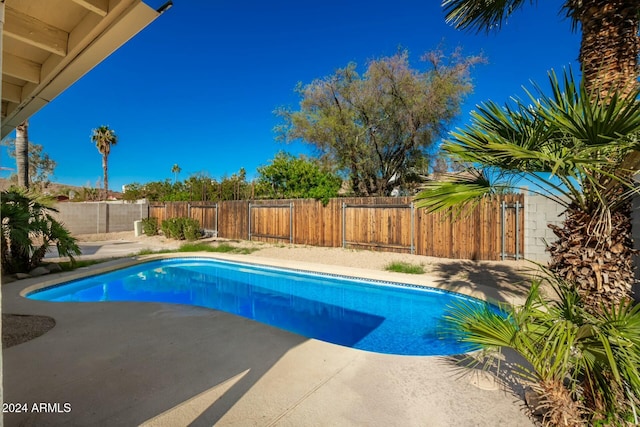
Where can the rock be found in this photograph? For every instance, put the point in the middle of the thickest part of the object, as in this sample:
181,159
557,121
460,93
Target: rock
39,271
533,401
21,276
54,268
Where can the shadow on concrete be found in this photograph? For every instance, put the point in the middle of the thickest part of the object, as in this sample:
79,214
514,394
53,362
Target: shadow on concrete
502,372
492,281
126,363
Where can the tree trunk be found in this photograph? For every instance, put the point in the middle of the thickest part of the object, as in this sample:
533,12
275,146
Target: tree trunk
601,268
610,44
22,154
106,176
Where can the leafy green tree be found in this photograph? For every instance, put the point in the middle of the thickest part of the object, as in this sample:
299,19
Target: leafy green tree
288,176
576,149
375,126
104,138
28,230
40,165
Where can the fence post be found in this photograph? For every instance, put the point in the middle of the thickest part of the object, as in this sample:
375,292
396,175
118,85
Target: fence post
412,228
249,221
344,219
517,230
290,222
503,207
216,235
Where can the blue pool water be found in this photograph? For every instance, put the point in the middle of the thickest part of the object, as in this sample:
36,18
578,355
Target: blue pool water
379,317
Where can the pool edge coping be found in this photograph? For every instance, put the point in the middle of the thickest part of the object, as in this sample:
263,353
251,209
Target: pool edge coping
376,276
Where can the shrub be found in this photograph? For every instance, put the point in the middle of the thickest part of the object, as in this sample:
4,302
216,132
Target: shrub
191,229
150,226
26,219
585,367
181,228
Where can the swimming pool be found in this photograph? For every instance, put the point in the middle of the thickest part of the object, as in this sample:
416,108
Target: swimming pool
381,317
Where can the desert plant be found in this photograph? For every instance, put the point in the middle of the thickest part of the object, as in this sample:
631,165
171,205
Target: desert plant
584,366
181,228
191,229
150,226
28,230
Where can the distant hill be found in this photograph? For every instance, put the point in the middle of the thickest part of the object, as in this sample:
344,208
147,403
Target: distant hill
54,188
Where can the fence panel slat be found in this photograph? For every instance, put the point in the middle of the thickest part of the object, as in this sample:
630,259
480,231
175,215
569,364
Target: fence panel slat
385,225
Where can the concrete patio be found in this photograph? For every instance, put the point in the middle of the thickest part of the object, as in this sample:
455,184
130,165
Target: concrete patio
170,365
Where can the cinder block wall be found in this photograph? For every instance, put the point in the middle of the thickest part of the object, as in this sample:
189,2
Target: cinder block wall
100,217
539,212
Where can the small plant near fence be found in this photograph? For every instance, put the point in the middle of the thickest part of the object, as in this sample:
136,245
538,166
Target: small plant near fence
181,228
405,267
150,226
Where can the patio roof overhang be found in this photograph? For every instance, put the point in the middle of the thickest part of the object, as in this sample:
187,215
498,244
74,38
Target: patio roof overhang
47,45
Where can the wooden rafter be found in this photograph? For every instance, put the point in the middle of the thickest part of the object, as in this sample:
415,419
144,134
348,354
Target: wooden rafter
99,7
34,32
11,92
20,68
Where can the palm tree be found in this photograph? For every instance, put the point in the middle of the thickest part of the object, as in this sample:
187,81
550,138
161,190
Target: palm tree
104,138
175,169
22,154
608,56
576,149
609,46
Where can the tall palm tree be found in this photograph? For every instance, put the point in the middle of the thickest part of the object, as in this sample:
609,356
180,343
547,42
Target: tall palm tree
609,47
175,169
576,150
22,154
609,51
104,138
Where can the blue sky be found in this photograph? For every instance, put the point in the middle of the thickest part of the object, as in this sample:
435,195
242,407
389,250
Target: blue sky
199,85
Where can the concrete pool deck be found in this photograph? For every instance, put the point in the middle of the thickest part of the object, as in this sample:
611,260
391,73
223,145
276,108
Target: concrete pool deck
170,365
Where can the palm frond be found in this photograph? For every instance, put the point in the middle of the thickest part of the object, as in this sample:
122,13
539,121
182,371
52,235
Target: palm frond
459,191
480,15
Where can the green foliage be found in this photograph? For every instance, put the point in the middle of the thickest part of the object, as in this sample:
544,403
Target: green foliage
585,366
198,187
191,229
181,228
202,247
28,230
574,149
296,177
41,166
150,226
378,126
405,267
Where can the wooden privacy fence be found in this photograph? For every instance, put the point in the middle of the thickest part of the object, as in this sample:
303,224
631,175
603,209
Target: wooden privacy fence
493,230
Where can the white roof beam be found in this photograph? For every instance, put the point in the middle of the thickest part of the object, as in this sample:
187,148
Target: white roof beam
20,68
34,32
99,7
